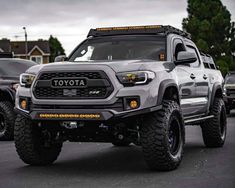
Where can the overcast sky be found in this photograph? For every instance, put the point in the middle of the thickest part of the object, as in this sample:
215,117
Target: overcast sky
70,20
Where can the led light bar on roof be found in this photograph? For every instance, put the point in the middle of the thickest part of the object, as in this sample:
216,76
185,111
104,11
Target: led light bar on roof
129,28
132,30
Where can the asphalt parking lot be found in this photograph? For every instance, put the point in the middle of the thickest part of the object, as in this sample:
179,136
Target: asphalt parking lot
102,165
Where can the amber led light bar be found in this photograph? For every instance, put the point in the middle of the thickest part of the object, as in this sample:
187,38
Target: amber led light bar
128,28
80,116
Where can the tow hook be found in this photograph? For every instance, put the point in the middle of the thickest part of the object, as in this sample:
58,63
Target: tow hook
70,124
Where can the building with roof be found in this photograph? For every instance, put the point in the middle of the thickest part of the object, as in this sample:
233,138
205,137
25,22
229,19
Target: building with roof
38,51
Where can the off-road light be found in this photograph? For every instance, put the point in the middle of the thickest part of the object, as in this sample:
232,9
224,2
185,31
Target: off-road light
135,78
23,104
26,79
162,57
133,104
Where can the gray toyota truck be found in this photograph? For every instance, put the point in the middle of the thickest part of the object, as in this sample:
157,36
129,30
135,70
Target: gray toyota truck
122,85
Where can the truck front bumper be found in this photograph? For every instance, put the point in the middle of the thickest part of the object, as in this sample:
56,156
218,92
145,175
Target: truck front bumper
83,114
229,101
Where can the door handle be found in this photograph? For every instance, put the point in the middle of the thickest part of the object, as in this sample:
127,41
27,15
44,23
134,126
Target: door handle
192,76
205,76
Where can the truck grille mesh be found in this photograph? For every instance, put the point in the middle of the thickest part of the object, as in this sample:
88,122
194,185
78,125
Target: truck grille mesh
230,91
90,75
49,92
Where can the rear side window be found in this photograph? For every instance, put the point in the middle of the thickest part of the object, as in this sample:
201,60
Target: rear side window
212,66
208,62
212,63
193,50
206,65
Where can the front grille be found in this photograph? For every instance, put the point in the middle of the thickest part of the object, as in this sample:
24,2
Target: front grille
230,91
98,86
118,106
90,75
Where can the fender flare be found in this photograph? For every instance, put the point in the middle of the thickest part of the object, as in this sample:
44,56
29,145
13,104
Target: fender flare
217,86
162,88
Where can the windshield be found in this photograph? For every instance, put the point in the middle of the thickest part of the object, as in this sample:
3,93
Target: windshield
230,80
120,48
13,68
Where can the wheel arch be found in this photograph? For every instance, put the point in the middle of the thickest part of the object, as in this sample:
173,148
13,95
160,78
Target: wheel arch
216,92
168,90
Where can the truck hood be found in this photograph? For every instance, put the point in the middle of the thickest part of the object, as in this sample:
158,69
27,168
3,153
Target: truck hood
8,80
116,66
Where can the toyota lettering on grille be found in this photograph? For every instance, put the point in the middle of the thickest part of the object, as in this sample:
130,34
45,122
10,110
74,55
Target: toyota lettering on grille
69,83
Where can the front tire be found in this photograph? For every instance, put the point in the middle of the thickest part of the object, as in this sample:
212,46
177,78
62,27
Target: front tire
162,137
214,130
30,143
7,120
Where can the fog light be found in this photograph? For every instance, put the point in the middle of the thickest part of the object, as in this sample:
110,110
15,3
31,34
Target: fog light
133,104
23,104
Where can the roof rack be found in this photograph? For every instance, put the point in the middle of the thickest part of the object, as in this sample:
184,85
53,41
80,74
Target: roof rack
127,30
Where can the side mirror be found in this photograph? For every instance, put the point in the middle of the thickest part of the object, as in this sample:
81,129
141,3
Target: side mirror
60,58
185,58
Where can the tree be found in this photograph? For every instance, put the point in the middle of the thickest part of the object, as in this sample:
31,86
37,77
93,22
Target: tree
55,48
209,23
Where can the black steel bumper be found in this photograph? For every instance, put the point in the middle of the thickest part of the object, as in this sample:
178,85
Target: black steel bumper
83,114
229,101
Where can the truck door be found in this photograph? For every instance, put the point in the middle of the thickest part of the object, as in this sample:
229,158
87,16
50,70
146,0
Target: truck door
201,82
186,81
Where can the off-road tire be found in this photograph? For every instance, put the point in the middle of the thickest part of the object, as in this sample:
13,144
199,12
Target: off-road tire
29,145
214,130
8,116
121,143
155,137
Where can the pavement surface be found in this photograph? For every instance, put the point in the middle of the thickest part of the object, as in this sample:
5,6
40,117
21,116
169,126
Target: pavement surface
102,165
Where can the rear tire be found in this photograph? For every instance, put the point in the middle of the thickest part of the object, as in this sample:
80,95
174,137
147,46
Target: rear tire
7,120
30,144
214,130
162,137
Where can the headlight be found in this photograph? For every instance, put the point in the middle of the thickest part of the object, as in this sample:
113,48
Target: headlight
26,79
135,78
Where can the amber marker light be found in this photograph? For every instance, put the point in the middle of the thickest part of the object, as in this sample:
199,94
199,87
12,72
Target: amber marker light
162,57
133,104
23,104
